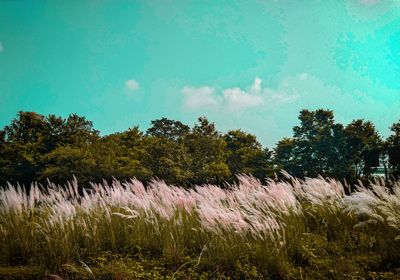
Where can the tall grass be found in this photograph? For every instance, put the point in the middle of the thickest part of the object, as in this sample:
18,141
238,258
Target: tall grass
267,223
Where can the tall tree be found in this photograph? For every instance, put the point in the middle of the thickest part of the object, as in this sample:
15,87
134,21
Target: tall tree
316,147
393,146
73,154
207,147
78,130
318,140
167,156
22,148
285,159
363,147
166,128
121,155
246,155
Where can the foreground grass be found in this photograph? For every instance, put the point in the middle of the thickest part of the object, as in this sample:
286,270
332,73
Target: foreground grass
322,259
284,230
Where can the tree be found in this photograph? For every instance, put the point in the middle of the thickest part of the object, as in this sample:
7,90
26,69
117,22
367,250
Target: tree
363,147
167,156
246,155
78,130
284,157
168,160
207,147
120,155
34,147
318,141
170,129
316,147
393,148
23,143
30,137
67,161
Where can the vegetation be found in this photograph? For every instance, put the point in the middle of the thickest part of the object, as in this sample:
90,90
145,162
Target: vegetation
216,224
36,148
291,229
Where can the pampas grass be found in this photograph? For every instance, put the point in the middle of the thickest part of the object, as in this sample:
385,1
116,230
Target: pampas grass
58,225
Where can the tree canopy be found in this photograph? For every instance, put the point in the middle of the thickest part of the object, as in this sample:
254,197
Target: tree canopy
34,147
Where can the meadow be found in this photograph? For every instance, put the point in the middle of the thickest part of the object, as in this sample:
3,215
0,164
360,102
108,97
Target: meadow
290,229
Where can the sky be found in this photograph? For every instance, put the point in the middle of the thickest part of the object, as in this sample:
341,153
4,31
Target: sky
251,65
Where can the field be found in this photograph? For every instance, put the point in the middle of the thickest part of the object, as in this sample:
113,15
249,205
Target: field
291,229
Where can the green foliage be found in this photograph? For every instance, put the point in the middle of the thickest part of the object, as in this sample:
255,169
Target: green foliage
393,149
34,147
32,141
207,148
170,129
120,155
167,159
64,161
318,142
361,140
320,146
284,156
245,155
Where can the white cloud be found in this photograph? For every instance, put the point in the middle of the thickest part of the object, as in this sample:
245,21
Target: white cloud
236,98
132,85
1,47
197,98
256,87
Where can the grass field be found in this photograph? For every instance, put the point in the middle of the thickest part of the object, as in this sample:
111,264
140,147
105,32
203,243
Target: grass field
292,229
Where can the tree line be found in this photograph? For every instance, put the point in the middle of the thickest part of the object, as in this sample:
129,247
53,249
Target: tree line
34,147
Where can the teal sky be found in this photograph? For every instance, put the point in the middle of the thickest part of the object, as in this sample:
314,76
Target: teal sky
249,65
